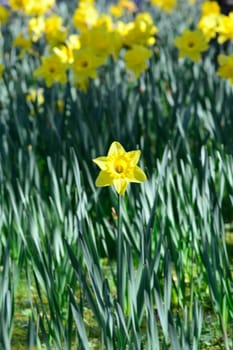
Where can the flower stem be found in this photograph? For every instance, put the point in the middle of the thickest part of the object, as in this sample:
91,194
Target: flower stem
121,262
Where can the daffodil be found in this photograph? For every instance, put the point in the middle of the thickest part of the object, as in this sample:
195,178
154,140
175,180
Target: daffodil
65,50
85,16
119,168
36,27
165,5
4,14
38,8
100,40
85,66
208,24
140,32
210,8
136,59
32,7
52,70
191,44
17,5
225,69
23,43
116,11
55,32
225,28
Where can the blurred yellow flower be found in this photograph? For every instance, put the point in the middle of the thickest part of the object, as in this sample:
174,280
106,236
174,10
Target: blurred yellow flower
104,22
85,16
32,7
85,66
73,41
4,14
116,11
17,5
23,43
100,40
191,44
2,67
208,24
55,33
166,5
36,27
225,69
60,105
52,70
119,168
136,59
35,96
65,49
209,20
38,8
210,8
35,99
128,5
141,32
225,28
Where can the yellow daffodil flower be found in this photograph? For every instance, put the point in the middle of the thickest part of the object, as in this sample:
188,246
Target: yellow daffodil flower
52,70
225,69
209,20
101,41
4,14
104,22
85,66
116,11
55,32
225,28
119,168
136,58
65,49
17,5
85,16
140,32
36,27
208,24
210,8
191,44
165,5
38,8
32,7
23,43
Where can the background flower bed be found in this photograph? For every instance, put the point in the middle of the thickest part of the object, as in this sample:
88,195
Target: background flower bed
58,231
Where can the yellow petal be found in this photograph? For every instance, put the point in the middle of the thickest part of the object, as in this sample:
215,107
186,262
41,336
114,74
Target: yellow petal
137,175
120,185
116,148
103,179
134,156
101,162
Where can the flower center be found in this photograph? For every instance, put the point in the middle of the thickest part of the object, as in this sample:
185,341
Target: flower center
191,44
84,64
120,166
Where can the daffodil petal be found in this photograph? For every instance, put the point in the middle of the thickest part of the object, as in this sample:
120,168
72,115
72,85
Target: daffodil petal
120,185
115,148
101,162
103,179
137,175
134,156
